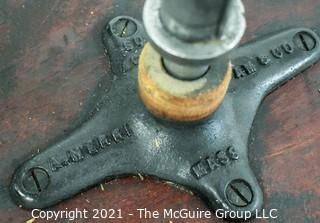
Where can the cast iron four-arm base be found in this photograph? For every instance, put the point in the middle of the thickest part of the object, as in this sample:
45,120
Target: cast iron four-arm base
208,158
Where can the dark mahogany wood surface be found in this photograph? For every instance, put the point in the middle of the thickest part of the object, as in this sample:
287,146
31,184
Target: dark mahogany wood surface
52,67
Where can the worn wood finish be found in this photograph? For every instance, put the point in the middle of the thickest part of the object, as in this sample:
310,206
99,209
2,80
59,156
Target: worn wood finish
163,101
53,67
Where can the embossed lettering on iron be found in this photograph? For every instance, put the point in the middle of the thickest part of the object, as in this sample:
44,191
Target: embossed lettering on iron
91,148
220,159
249,66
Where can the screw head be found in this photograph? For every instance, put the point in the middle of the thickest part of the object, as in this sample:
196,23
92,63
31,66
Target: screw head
239,193
123,27
36,180
305,41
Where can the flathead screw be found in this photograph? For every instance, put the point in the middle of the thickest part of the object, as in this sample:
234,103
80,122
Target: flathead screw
239,193
123,27
36,180
305,41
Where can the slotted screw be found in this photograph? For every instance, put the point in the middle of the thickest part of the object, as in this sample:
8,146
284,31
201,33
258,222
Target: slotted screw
36,180
123,27
239,193
305,41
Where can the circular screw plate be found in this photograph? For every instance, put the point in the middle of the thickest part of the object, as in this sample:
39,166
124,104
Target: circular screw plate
36,180
123,27
305,41
239,193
